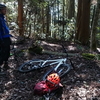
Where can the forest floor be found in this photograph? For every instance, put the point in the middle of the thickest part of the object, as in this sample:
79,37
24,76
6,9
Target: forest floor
82,83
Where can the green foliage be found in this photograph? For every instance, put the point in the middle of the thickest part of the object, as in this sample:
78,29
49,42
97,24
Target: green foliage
39,3
88,56
91,56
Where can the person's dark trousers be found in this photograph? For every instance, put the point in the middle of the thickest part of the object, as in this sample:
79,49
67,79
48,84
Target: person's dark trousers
4,50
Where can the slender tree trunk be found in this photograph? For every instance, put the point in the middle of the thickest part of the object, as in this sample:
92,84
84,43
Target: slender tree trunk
48,21
83,21
20,17
67,7
58,14
43,26
71,9
78,18
94,27
63,26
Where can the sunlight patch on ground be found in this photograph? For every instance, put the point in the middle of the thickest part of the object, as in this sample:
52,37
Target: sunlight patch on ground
50,44
71,48
56,45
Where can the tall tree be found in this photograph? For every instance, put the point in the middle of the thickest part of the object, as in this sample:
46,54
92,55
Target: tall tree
94,26
71,9
20,17
48,20
83,21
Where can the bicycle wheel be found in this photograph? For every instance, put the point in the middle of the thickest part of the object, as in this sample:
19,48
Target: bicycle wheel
30,65
63,69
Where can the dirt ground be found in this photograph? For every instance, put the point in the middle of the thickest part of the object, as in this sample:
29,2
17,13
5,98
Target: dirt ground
81,83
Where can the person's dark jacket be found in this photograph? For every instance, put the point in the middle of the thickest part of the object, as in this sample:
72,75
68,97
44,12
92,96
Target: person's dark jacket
4,30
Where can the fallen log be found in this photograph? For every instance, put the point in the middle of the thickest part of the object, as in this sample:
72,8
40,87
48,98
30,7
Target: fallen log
59,53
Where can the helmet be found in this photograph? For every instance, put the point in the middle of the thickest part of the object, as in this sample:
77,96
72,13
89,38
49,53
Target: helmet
41,88
53,80
2,6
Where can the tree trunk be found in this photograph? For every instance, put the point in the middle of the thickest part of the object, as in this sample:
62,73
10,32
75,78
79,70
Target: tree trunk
48,22
83,21
71,9
78,18
43,26
94,27
20,17
63,26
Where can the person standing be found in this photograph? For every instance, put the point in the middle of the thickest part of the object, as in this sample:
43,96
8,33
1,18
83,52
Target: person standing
5,40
